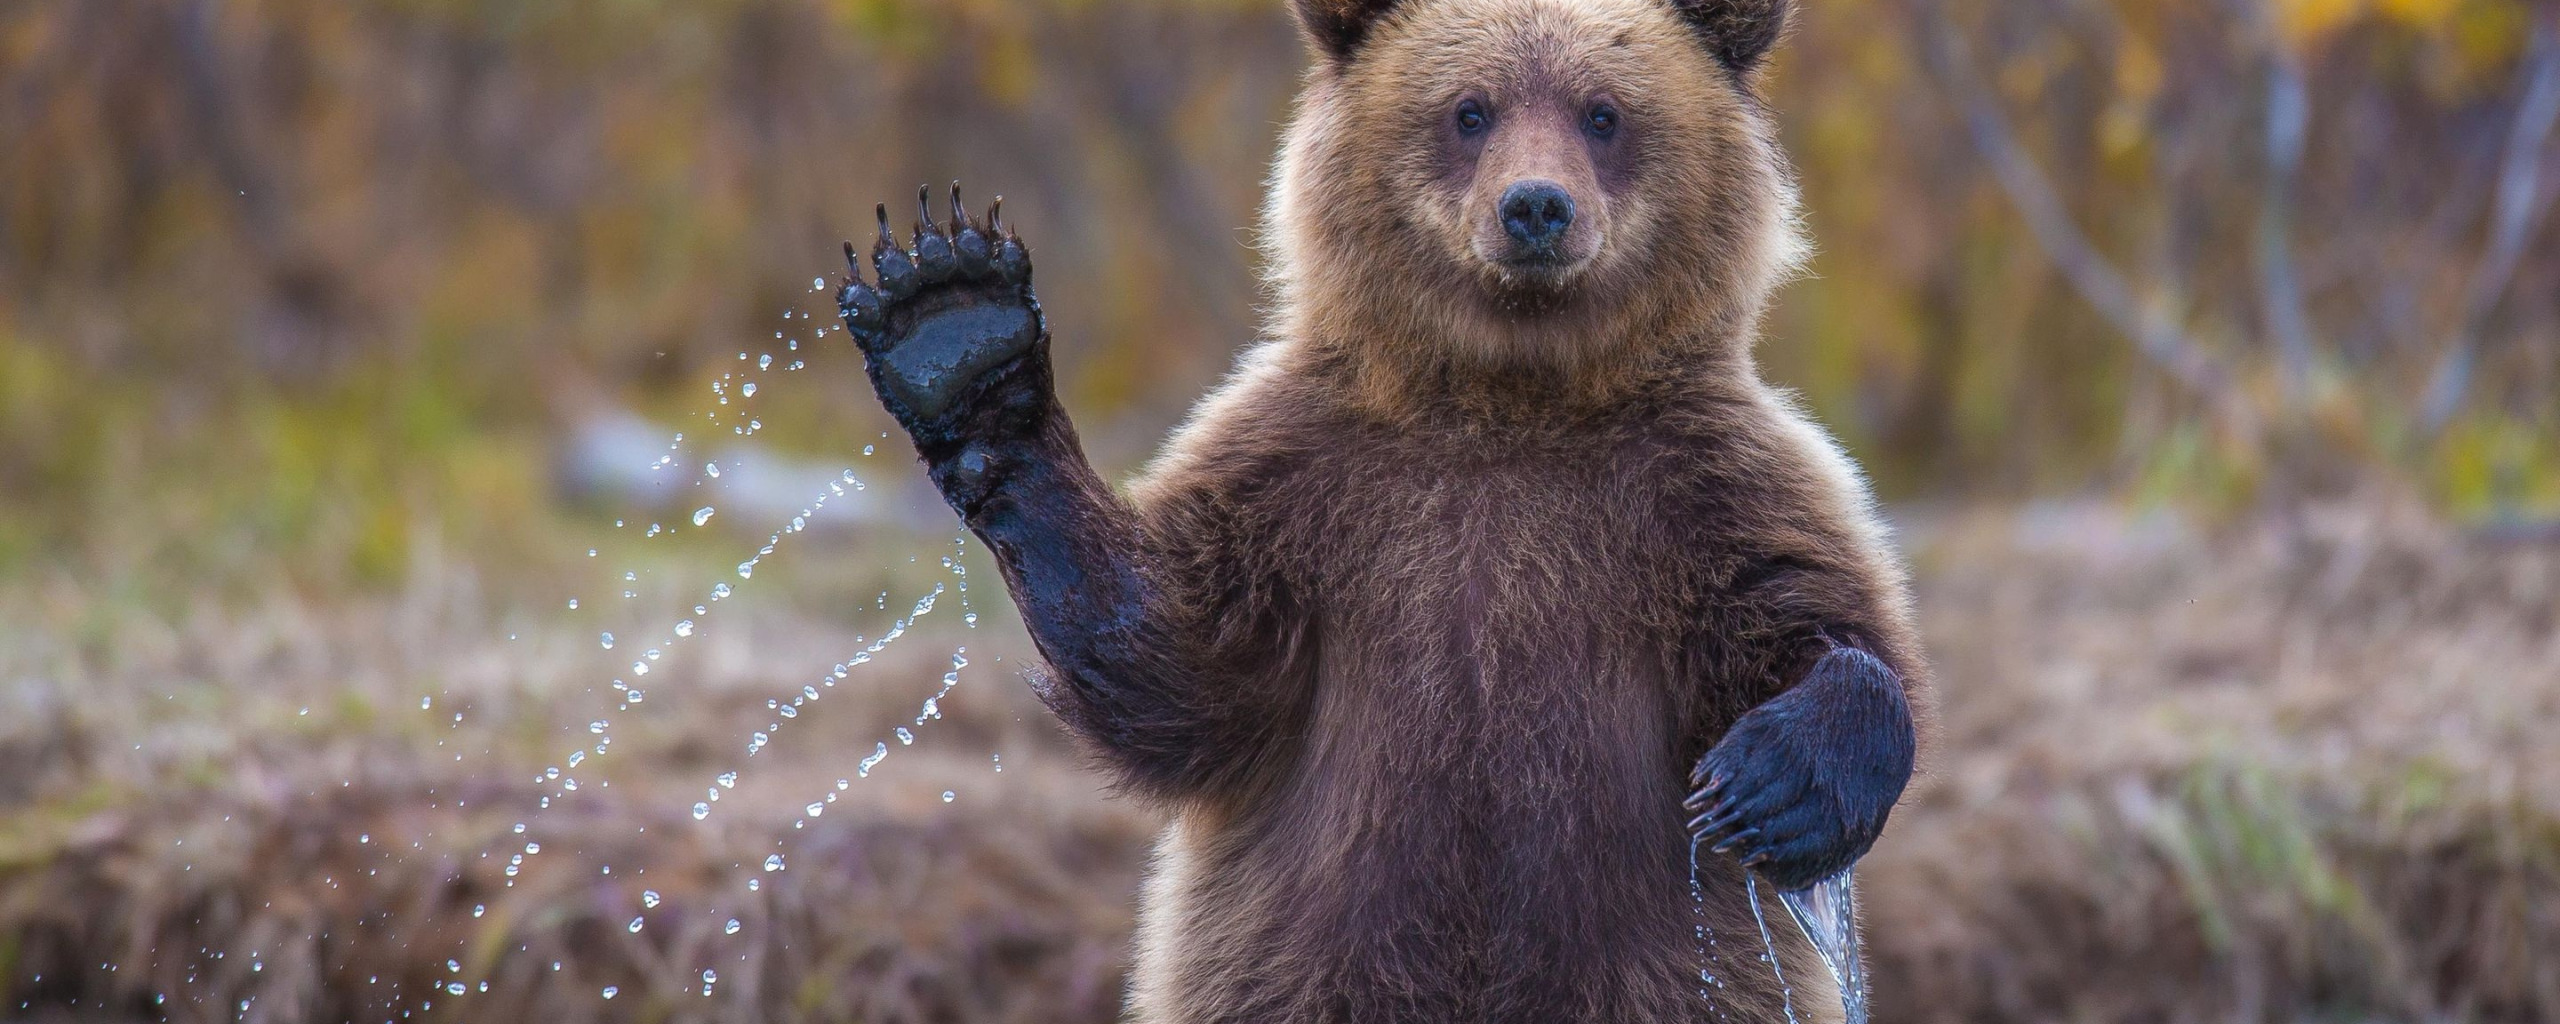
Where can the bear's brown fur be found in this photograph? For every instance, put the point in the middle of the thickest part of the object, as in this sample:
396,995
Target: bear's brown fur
1542,549
1420,622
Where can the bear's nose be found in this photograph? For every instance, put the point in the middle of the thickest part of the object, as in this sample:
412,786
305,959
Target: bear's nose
1537,213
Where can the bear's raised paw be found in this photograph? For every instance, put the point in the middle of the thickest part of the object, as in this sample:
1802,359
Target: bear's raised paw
947,322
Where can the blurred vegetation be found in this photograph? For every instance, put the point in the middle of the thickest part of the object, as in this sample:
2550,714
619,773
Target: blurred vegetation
310,278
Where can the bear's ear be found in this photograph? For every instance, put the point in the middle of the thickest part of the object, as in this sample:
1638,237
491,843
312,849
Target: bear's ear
1337,27
1738,32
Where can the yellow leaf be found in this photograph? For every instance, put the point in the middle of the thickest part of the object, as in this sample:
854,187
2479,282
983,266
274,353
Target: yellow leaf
2304,23
2419,14
2138,71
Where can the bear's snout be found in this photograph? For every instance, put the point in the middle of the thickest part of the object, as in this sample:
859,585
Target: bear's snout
1536,214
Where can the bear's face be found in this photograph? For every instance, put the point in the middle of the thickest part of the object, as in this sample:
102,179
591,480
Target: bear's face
1529,182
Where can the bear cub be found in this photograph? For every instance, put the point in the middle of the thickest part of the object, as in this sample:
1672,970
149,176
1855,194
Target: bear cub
1494,596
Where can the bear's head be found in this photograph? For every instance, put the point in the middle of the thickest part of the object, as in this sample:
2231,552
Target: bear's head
1532,185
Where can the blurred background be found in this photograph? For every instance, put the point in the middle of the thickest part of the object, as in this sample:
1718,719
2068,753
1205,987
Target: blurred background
363,368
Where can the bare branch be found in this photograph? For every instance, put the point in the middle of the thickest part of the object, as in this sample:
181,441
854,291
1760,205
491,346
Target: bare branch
2279,284
2520,208
2096,279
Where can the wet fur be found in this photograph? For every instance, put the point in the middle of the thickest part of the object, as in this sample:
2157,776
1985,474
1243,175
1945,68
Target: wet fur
1420,623
1529,628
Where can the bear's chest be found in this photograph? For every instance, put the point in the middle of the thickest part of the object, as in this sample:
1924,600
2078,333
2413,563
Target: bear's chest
1500,565
1496,642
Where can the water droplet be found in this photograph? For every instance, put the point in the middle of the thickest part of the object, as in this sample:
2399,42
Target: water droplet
711,469
732,928
748,389
611,991
878,754
905,738
649,898
532,848
598,727
948,796
763,362
573,604
773,862
684,628
479,909
728,780
635,924
607,640
701,811
719,590
703,515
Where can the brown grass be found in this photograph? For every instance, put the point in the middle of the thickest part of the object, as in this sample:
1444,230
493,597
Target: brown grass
2297,774
2282,775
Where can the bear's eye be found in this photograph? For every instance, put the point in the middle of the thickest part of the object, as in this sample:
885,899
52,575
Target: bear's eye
1603,120
1472,118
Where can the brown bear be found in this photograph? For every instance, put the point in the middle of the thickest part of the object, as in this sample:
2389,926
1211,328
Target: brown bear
1495,597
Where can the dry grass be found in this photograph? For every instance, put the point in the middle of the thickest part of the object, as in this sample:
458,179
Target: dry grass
2277,776
2296,775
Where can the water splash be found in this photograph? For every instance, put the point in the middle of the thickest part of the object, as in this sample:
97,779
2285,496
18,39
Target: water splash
1769,945
1828,913
1708,955
736,398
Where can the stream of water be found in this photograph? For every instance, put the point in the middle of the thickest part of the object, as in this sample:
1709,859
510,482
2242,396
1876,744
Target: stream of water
1827,913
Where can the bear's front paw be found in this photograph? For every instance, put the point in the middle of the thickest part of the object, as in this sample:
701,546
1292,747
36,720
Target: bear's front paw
1800,787
951,333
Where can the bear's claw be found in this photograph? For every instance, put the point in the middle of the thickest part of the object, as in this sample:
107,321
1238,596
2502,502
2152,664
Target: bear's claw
946,318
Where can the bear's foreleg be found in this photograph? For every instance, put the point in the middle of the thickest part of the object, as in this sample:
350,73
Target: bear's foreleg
958,351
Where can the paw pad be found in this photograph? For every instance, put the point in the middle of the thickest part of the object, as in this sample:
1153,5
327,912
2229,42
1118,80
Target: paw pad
943,313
